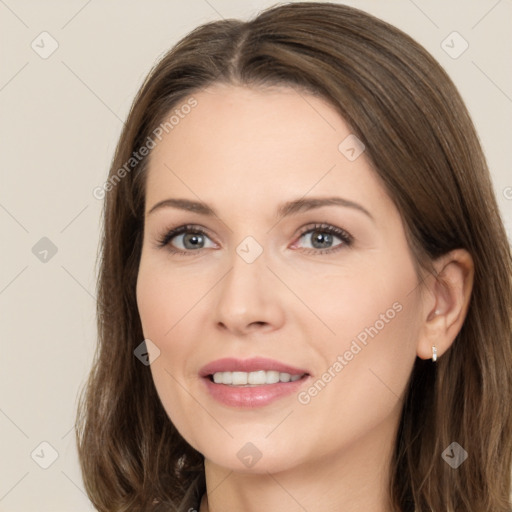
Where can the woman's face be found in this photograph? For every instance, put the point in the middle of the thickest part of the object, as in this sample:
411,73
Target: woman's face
277,284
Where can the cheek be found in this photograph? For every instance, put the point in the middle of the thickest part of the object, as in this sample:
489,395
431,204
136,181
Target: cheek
359,298
164,297
366,374
163,314
367,362
372,313
163,300
149,293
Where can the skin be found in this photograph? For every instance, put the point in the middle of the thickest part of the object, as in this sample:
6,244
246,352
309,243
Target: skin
244,151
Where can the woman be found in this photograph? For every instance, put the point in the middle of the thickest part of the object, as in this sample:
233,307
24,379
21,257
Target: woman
305,287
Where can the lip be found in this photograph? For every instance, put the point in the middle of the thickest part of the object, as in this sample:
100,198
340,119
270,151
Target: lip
254,364
253,396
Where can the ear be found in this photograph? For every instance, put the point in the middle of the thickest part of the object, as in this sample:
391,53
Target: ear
446,297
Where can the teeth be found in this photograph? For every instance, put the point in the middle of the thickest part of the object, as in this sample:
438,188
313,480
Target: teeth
257,378
238,378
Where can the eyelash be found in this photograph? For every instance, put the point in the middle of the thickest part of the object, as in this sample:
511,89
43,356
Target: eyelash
344,236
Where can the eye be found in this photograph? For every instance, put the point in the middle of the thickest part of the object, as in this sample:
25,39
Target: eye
322,238
185,239
190,238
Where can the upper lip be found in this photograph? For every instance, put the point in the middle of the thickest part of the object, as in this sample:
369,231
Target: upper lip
230,364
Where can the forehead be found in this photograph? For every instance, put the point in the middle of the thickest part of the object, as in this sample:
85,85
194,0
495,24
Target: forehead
249,143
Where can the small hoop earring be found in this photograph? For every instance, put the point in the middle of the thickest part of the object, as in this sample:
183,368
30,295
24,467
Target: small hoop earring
434,353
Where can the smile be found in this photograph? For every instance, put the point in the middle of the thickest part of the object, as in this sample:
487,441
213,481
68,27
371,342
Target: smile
251,383
257,378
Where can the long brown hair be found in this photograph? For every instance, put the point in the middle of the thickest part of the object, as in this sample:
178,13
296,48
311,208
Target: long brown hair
422,144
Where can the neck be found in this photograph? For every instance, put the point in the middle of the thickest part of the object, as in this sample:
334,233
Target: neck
353,479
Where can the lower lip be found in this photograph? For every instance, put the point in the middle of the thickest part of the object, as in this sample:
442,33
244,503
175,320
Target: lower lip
254,396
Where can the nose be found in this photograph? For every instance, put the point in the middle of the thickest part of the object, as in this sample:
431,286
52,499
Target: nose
249,298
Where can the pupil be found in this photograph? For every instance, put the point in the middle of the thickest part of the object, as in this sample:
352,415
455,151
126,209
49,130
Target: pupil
322,239
193,239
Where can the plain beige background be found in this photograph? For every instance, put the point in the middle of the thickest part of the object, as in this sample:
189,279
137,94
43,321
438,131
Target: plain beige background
61,118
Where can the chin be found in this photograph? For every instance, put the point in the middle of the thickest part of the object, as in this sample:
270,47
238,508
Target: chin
258,457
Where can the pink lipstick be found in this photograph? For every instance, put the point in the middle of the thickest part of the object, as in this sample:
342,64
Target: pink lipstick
250,383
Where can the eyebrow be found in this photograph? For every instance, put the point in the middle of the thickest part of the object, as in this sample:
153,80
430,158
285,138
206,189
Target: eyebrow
284,210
